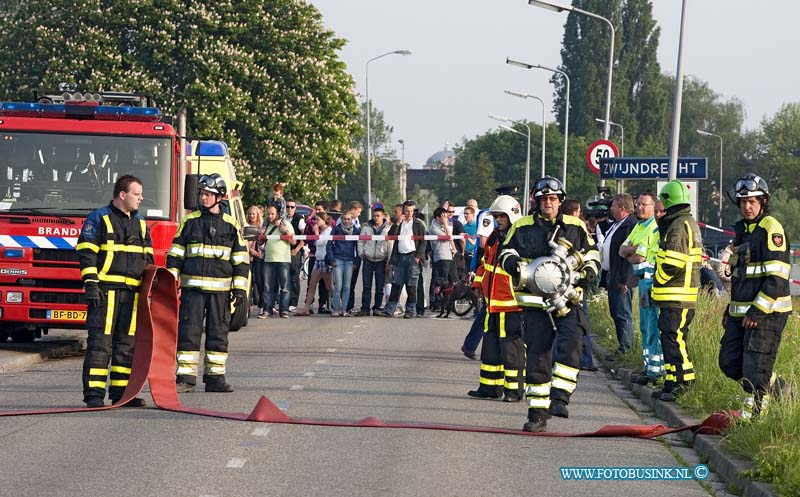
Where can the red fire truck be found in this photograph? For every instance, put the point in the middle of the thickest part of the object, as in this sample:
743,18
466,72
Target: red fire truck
59,159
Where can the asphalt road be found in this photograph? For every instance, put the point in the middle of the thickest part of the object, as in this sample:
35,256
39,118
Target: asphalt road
326,368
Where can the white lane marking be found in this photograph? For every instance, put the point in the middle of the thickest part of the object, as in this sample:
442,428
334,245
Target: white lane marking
295,388
326,361
350,332
357,326
283,405
261,431
309,374
236,462
362,321
340,340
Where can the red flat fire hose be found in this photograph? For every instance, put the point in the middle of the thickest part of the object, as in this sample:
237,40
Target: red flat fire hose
154,360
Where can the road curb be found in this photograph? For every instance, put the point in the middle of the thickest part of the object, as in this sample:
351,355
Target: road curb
19,357
722,462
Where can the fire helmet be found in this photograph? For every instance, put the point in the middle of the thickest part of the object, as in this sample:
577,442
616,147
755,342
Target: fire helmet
508,205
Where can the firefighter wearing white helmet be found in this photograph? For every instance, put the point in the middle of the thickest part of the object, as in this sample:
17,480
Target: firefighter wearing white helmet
503,352
548,386
760,300
210,261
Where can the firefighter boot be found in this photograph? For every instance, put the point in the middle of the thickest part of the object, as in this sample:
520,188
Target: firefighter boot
559,408
535,425
184,387
486,393
216,383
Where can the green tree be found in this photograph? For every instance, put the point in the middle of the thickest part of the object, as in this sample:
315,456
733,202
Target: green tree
777,156
640,98
385,166
262,75
786,209
584,57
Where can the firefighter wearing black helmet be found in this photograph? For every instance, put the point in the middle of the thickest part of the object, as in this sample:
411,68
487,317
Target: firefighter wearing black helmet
210,261
760,301
548,386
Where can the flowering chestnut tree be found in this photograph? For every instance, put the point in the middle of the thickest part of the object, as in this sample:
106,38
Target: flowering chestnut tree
262,75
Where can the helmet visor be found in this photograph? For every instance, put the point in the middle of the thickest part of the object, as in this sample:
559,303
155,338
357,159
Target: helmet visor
747,187
207,183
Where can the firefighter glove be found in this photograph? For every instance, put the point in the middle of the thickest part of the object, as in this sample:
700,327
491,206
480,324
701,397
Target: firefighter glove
239,296
93,294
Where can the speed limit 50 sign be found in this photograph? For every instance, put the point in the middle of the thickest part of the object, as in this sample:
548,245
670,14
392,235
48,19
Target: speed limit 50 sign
600,149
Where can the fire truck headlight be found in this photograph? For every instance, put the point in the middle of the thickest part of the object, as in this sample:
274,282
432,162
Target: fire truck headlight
14,297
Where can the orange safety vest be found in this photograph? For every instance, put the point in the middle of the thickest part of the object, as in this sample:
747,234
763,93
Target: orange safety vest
495,283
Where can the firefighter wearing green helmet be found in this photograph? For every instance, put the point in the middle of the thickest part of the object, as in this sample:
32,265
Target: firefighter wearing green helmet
675,285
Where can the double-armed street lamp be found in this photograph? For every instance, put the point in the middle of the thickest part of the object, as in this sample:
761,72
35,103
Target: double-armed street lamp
706,133
528,159
566,108
621,134
369,107
546,4
544,140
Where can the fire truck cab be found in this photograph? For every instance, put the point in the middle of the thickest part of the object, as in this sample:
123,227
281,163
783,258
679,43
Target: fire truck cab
59,159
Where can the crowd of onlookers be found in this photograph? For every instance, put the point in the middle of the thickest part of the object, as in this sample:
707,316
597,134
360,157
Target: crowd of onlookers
390,276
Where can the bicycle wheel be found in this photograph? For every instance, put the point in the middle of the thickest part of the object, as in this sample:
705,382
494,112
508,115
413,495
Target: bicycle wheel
462,306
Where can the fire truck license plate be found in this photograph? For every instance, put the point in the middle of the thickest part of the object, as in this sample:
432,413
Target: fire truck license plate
67,315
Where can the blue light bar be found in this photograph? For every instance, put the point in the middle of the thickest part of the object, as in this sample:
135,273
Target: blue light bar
127,113
212,148
13,253
31,109
105,112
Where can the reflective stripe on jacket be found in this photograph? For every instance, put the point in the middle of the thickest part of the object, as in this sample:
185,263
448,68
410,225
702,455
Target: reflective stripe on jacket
114,248
528,240
644,237
209,254
760,269
494,281
680,253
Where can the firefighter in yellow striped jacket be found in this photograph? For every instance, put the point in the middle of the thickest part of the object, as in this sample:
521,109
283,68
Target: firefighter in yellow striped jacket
209,259
114,248
548,386
675,285
503,351
760,300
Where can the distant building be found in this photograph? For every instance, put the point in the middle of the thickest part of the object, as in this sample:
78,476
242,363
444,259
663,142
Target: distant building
433,173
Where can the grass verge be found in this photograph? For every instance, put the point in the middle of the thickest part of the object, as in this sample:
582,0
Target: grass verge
772,442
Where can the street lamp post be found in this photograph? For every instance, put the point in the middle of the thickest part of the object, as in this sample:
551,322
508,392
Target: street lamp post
621,134
527,160
677,101
369,111
403,172
566,109
544,136
706,133
546,4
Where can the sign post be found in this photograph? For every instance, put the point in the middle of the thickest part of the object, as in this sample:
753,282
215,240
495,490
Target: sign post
601,149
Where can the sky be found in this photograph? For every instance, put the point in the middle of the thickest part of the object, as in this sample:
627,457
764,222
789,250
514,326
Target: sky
455,77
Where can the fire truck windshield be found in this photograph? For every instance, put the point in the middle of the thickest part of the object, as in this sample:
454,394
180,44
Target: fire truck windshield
67,173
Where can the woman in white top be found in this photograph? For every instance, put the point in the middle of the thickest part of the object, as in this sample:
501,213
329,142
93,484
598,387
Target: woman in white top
321,270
